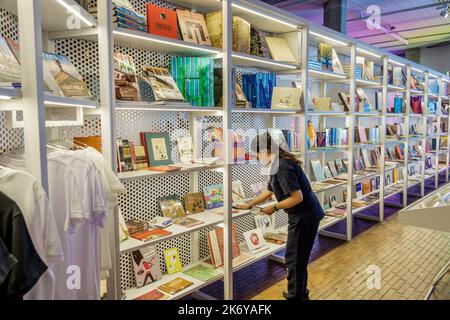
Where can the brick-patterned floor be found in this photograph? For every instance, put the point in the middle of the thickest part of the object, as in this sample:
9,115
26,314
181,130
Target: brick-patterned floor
409,258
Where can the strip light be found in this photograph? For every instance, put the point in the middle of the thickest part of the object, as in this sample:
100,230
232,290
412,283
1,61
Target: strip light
263,111
416,70
446,80
67,104
368,52
367,82
328,38
433,75
328,74
264,16
395,87
169,109
130,35
75,12
5,98
396,63
289,66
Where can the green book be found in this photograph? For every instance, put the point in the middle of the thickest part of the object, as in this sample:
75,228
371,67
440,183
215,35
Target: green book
203,272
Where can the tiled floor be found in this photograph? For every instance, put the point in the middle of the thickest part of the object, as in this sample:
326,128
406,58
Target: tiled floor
408,257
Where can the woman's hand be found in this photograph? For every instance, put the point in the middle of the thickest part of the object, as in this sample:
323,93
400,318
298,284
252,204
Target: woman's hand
243,206
269,210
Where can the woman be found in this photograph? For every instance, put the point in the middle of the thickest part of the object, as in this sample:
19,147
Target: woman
294,195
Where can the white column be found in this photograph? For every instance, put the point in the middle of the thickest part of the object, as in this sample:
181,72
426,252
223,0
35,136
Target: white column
407,112
383,135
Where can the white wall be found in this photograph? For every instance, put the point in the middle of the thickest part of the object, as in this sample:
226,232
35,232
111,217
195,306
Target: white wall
436,58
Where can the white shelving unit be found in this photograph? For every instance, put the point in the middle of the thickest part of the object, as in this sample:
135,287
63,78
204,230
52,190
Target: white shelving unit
48,19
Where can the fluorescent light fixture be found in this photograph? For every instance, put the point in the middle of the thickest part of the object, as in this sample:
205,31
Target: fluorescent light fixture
335,75
263,111
70,104
328,38
396,63
446,80
264,16
289,66
169,109
416,70
416,91
433,75
75,12
368,53
130,35
5,98
367,82
395,87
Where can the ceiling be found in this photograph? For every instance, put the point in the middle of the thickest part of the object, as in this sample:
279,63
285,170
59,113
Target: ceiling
404,24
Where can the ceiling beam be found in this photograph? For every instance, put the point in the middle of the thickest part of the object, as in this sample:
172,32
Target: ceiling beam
418,37
405,30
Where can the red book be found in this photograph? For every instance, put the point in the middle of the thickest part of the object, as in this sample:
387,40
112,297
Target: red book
161,21
151,234
144,144
152,295
399,152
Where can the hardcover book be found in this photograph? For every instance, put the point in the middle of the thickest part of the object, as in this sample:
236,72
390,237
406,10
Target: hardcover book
286,98
358,189
203,272
317,169
62,77
265,223
215,244
193,27
175,285
213,196
124,159
238,194
325,56
185,149
255,240
162,21
146,266
327,172
280,50
337,66
173,261
366,187
332,168
171,207
153,295
194,203
340,167
10,71
150,235
163,86
158,148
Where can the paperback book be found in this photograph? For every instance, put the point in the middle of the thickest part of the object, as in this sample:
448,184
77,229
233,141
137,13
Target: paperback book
203,272
146,266
173,261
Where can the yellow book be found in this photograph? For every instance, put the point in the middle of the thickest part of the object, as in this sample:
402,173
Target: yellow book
395,175
173,262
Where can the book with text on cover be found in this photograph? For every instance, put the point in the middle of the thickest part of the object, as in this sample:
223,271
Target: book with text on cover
213,196
194,203
153,295
162,21
146,266
163,85
193,27
215,244
150,235
203,272
176,285
173,261
255,240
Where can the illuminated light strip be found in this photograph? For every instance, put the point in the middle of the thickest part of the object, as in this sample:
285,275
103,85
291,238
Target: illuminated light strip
433,76
417,91
264,111
164,42
328,74
416,70
75,12
446,80
368,52
328,38
5,98
264,16
168,109
65,104
368,82
289,66
395,87
396,63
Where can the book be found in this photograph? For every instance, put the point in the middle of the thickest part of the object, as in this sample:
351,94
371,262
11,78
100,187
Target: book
164,168
203,272
125,78
265,223
317,169
340,167
345,100
161,21
213,196
336,63
358,190
153,295
333,201
146,266
366,187
173,261
286,98
215,244
158,148
362,134
150,235
327,172
241,31
325,56
194,203
238,194
332,168
193,27
274,237
188,222
136,226
185,149
10,70
280,50
61,76
255,240
124,159
140,161
163,85
335,212
171,207
175,285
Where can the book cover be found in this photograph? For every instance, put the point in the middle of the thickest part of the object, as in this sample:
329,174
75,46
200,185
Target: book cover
358,189
171,207
153,295
327,172
280,50
336,63
185,149
62,77
398,151
203,272
366,187
237,191
362,134
193,27
136,226
332,168
124,158
159,150
333,201
254,240
173,261
317,170
213,196
194,203
146,266
10,71
162,21
188,222
275,237
265,223
163,85
175,285
150,235
325,56
125,79
340,167
215,244
286,98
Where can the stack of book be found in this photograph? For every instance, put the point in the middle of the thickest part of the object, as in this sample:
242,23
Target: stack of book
315,65
125,16
367,135
358,71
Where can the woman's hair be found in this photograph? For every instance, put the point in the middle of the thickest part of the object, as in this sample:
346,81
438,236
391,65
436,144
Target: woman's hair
265,142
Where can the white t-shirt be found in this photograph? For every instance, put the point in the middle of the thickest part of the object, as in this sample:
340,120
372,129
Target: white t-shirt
32,201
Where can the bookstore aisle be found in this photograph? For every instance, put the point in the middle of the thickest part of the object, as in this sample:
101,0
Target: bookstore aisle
126,128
